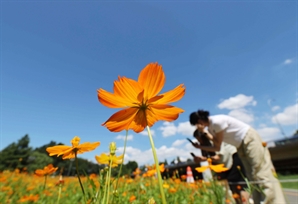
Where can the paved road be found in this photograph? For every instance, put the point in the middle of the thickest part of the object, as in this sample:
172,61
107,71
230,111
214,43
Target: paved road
291,196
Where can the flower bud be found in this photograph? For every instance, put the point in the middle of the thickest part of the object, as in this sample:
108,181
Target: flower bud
113,148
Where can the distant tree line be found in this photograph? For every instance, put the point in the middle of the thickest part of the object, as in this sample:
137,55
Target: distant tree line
21,156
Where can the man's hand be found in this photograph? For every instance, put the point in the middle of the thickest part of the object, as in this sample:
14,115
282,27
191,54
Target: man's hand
198,159
196,145
216,158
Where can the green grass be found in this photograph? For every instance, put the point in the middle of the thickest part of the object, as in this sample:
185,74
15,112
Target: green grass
291,185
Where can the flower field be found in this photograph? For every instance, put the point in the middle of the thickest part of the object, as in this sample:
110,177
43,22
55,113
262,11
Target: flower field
19,187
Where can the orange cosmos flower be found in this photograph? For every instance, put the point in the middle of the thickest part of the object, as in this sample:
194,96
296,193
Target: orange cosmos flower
69,152
172,190
47,170
162,168
106,159
132,198
25,198
236,196
137,172
216,168
142,106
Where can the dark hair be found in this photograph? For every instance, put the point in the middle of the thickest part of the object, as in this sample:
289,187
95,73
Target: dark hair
203,139
196,133
199,115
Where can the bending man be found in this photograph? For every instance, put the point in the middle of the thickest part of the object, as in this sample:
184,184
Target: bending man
255,158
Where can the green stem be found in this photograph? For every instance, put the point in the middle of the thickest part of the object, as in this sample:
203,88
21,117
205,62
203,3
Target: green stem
78,175
120,170
45,182
105,190
157,167
119,173
59,194
109,178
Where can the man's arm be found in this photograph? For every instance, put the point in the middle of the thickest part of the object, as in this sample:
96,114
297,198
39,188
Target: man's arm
217,140
208,134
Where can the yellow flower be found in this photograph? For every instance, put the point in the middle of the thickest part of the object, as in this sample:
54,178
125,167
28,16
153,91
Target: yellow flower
166,185
69,152
151,201
216,168
47,170
105,159
141,105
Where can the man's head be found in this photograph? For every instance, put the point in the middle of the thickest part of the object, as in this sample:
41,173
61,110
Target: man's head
199,118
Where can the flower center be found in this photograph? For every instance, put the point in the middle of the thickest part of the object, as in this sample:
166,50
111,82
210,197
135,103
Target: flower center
143,106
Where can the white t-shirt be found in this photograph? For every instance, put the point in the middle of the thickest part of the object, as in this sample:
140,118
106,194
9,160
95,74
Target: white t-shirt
234,130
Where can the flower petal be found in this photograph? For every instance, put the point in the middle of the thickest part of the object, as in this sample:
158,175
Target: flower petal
201,169
102,159
111,100
40,172
218,168
68,155
58,150
162,112
170,96
126,92
152,79
139,122
128,89
87,146
121,120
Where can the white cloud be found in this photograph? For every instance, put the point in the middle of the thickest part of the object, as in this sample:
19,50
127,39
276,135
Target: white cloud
288,61
183,128
143,157
122,137
275,108
243,115
269,133
288,117
262,125
145,132
178,143
168,129
236,102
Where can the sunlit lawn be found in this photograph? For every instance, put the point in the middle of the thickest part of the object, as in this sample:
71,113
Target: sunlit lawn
291,185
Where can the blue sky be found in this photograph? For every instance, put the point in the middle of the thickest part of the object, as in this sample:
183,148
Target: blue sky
234,57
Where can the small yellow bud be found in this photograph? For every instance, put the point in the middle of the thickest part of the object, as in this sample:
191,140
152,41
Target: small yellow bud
151,201
75,141
113,148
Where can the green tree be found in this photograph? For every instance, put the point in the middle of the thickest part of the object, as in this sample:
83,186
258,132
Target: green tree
131,166
166,162
38,160
15,155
